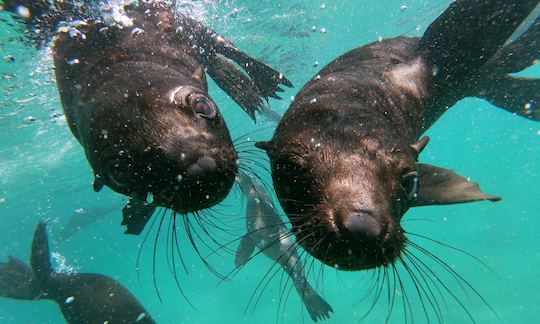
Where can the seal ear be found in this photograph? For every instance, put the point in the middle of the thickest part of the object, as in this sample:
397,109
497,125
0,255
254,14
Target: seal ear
265,145
98,183
419,146
440,186
198,74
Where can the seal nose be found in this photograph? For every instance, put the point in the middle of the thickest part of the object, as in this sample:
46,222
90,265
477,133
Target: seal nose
201,166
363,226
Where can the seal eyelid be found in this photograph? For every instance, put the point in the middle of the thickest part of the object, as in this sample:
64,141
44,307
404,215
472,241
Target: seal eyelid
202,105
409,185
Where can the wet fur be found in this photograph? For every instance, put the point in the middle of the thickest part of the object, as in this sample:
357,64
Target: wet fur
343,151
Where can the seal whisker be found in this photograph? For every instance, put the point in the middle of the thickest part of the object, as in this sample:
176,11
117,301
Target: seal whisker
457,277
415,283
268,278
252,173
174,242
378,289
189,230
455,249
214,251
424,286
144,241
405,298
212,236
251,133
154,256
462,305
291,286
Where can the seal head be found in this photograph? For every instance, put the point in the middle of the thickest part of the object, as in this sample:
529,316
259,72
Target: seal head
345,195
168,140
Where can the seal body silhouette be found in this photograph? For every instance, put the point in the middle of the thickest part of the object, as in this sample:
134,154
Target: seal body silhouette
344,156
82,297
135,95
265,230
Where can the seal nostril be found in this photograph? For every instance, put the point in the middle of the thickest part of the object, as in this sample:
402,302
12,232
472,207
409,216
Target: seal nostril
363,226
203,165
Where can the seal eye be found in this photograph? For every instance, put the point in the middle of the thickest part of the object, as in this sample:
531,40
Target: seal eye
409,184
202,106
117,174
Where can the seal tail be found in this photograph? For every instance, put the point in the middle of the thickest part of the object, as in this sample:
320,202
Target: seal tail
495,83
457,53
19,281
42,17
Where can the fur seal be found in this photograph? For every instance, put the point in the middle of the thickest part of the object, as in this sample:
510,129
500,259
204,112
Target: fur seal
82,297
267,232
135,95
344,156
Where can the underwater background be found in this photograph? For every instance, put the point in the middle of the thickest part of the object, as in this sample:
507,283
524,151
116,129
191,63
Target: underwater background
45,176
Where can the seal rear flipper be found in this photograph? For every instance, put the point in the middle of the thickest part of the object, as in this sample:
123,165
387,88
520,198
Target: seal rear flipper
519,96
456,52
208,43
440,186
16,280
40,258
495,83
244,251
317,307
520,53
135,215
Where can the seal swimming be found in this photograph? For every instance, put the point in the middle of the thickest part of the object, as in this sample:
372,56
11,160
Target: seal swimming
344,156
267,232
135,96
82,297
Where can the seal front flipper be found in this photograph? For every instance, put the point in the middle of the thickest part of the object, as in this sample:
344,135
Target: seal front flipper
135,215
209,43
244,251
438,186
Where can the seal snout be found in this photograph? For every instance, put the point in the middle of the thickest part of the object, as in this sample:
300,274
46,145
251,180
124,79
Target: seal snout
363,226
202,166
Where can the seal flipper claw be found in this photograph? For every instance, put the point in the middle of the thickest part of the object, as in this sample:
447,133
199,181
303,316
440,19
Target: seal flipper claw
135,215
440,186
236,84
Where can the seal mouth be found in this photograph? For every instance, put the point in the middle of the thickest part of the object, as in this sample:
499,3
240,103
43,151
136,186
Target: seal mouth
361,242
202,185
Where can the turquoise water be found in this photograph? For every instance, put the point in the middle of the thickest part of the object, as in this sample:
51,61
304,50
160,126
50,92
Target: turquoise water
44,176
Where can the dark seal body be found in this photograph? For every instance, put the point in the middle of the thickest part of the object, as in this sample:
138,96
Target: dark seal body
344,156
135,95
82,297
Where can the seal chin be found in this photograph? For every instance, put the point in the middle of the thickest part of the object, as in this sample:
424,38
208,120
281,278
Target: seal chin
203,185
